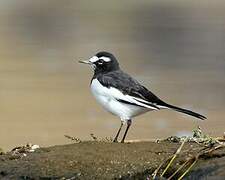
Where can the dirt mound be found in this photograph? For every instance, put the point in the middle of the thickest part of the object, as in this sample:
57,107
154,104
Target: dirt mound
101,160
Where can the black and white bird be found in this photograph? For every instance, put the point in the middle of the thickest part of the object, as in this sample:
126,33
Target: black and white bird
121,94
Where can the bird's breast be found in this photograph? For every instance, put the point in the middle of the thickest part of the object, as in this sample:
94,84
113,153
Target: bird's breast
107,97
100,92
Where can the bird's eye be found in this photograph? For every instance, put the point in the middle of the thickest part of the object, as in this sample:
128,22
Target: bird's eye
100,62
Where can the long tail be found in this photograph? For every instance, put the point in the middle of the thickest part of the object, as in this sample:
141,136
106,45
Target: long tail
191,113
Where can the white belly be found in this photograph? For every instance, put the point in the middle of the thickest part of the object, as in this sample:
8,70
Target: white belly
107,98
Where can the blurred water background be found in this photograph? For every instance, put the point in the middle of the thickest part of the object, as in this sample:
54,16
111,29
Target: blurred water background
175,48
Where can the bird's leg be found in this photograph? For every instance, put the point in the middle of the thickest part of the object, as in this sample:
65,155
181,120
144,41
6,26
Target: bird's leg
128,126
117,135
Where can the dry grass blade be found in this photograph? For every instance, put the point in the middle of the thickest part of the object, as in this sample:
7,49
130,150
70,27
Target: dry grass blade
215,148
179,169
189,168
209,144
174,157
194,160
154,174
170,159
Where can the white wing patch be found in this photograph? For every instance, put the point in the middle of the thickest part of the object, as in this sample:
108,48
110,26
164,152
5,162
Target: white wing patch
113,93
138,101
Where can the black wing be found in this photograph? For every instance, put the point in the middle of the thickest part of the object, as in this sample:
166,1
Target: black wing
129,86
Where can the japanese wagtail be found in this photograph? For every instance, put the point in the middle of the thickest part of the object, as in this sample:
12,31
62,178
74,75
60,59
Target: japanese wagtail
121,94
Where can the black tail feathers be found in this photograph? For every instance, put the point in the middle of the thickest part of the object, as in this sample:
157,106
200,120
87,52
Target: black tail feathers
191,113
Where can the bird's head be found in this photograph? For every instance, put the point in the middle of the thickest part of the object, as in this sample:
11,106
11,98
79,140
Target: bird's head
103,62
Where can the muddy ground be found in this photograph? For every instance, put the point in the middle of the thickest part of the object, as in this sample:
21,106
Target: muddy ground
105,160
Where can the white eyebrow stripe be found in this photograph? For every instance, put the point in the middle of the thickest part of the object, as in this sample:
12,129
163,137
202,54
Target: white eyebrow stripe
93,59
106,59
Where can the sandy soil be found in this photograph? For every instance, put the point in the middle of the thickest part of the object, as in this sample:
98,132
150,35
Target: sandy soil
104,160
